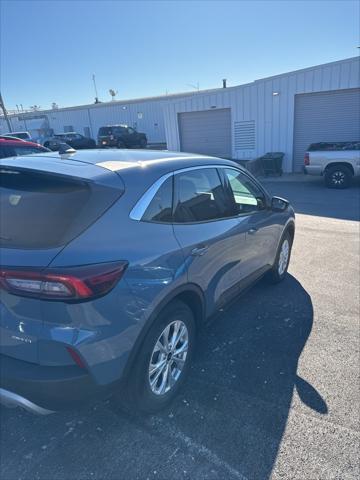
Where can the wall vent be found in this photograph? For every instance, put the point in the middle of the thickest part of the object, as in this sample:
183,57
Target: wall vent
244,133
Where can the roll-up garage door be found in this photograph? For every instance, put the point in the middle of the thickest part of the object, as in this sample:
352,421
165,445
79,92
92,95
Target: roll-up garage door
207,132
325,117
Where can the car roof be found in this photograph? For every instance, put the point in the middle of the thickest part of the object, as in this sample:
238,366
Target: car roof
115,125
123,160
18,131
18,143
65,134
136,168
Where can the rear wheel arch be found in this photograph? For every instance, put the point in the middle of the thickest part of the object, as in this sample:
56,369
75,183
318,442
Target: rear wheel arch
191,295
340,164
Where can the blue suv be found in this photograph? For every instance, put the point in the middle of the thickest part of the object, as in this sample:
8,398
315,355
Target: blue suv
113,260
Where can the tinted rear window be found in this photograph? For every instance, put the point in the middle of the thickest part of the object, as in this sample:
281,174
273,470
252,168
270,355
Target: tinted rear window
22,135
105,131
18,150
44,211
329,146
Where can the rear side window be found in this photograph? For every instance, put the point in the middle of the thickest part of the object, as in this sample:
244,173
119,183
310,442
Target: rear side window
328,146
160,207
27,150
200,197
22,135
120,131
44,211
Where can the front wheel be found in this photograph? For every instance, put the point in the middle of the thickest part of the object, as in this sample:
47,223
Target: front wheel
280,267
164,359
338,177
143,143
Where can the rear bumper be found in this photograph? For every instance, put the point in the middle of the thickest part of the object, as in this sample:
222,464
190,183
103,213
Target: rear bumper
42,390
107,143
313,169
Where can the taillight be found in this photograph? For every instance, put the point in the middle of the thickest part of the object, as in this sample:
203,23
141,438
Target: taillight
76,357
307,158
66,284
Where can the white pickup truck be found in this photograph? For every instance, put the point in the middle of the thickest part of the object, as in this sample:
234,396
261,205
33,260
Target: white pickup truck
338,162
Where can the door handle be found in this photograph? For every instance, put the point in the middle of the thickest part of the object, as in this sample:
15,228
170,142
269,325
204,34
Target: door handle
252,230
199,251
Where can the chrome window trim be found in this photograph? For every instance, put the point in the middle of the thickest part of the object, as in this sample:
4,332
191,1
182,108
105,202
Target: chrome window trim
142,204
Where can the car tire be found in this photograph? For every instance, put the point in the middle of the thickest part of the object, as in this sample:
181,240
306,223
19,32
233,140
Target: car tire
143,143
280,267
338,177
120,144
145,392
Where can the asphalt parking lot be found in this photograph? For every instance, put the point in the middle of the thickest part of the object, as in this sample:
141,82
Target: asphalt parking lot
274,391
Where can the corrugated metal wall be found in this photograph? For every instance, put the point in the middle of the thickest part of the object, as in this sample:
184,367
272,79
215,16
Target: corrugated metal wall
145,116
269,103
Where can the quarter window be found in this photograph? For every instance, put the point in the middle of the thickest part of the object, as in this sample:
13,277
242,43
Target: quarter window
160,207
248,197
200,196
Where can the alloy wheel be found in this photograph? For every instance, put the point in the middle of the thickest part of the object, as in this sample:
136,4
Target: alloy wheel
168,357
338,178
284,257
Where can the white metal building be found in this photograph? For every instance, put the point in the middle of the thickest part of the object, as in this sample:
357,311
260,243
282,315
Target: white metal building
284,113
144,114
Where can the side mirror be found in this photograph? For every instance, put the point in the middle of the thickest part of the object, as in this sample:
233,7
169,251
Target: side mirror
279,204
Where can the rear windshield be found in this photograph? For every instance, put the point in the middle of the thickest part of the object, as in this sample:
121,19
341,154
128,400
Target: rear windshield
105,131
46,211
328,146
22,135
26,150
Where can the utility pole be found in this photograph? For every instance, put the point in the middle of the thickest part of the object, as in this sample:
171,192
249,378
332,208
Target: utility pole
95,88
2,106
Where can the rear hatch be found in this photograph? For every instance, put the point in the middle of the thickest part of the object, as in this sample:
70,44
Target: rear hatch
45,202
105,136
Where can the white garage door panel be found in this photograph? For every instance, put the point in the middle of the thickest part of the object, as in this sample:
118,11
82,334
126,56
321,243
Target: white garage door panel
207,132
325,117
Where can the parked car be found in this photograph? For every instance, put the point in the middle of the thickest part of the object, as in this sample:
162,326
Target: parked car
13,147
75,140
111,264
20,135
338,162
121,136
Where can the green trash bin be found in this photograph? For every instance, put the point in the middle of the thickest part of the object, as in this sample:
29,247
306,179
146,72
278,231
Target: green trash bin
272,163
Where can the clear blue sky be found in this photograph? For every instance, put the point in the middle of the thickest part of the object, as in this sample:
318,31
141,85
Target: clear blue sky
50,49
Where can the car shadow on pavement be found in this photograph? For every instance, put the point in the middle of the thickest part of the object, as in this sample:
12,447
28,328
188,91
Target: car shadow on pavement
240,392
228,421
235,406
